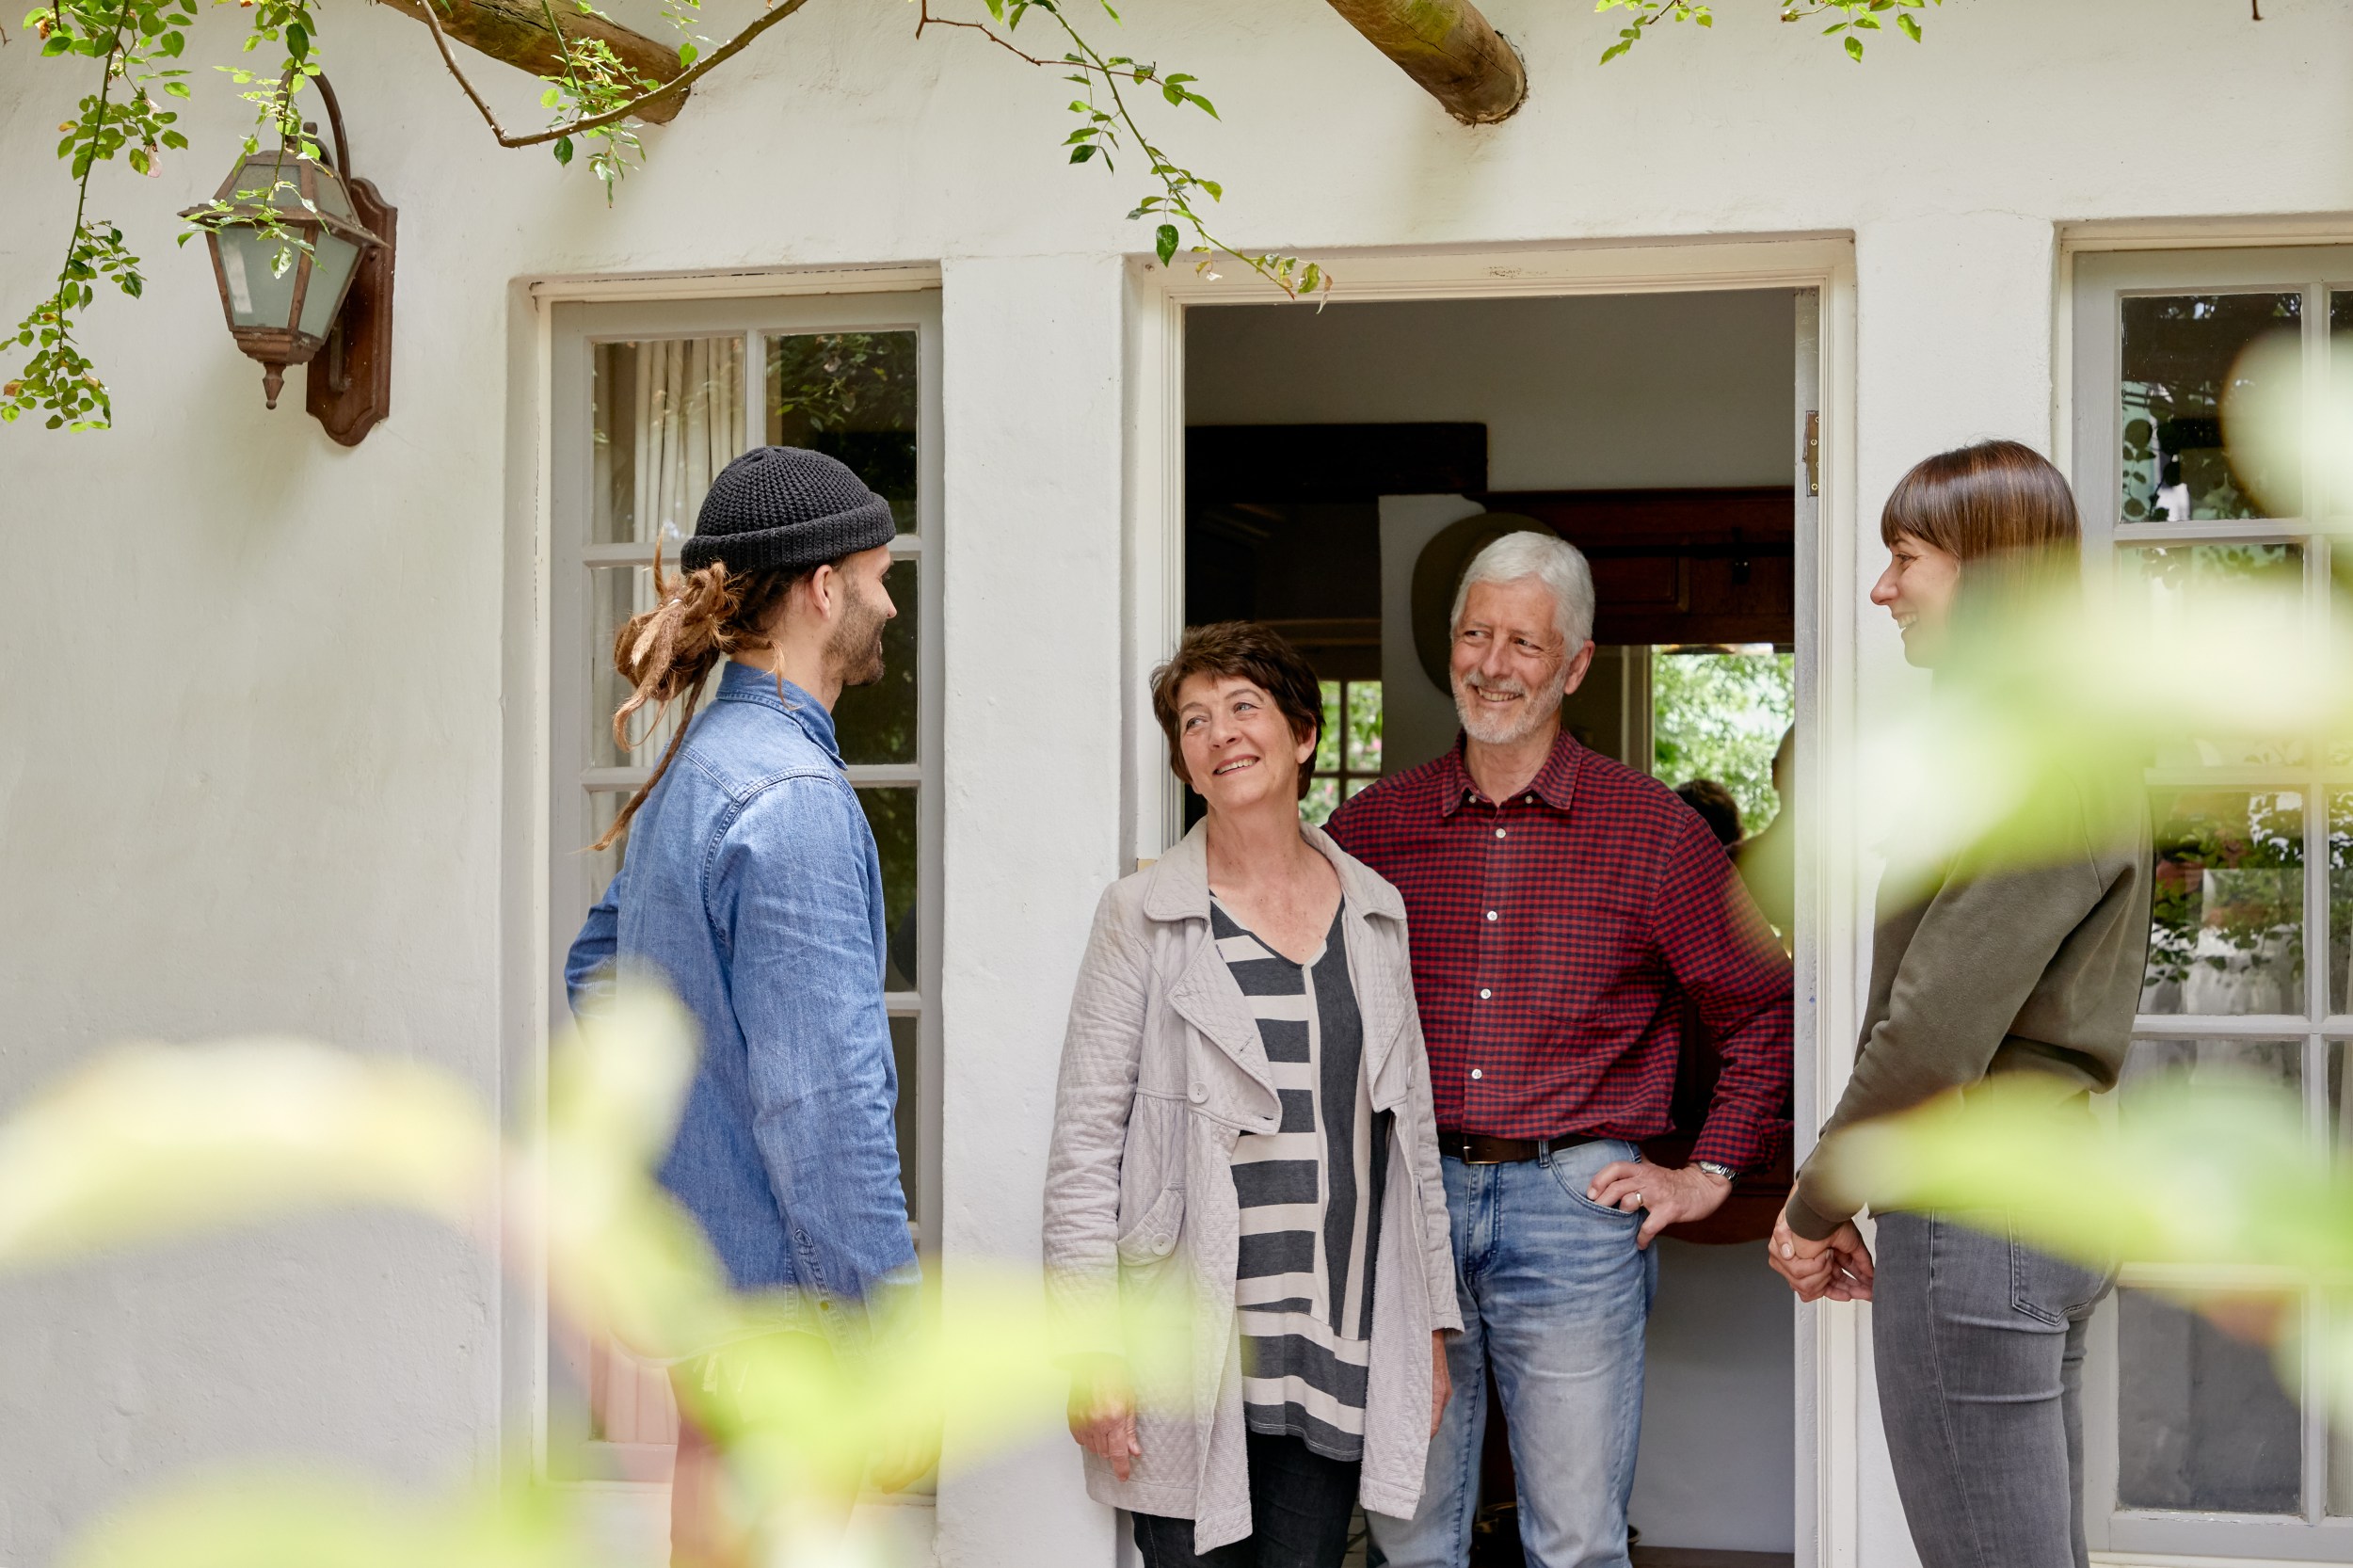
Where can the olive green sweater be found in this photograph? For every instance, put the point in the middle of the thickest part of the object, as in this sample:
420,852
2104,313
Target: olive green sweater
2025,956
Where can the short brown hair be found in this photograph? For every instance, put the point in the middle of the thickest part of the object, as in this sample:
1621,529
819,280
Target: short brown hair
1996,499
1251,651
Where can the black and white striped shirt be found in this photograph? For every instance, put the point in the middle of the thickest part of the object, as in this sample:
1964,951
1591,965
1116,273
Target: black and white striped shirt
1310,1197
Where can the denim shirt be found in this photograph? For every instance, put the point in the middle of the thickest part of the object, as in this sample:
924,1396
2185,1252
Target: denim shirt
752,885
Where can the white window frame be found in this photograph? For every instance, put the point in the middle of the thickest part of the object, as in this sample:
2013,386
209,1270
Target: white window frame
573,878
2102,282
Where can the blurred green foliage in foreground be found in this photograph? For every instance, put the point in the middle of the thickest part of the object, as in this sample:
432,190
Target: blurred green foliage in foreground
155,1141
2217,1177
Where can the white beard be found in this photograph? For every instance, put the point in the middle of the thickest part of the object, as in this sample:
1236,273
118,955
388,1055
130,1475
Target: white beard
1491,727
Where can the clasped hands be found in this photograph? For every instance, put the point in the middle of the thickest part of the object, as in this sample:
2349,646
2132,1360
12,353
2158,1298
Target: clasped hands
1837,1269
1103,1405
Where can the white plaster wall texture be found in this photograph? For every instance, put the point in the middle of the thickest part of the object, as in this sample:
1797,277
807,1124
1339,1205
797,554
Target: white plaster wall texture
255,720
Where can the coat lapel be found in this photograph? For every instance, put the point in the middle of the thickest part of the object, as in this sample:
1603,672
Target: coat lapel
1205,994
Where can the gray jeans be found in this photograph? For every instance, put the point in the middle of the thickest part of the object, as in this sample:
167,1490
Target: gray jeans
1980,1345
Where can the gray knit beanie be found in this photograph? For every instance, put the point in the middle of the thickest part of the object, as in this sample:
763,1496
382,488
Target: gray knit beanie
783,508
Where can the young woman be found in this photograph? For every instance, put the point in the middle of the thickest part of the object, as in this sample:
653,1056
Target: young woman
2021,954
1244,1148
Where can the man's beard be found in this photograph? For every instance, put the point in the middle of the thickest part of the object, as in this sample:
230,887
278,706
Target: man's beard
1489,726
856,646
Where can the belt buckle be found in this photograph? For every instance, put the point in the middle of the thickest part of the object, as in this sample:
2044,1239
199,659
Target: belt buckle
1471,1140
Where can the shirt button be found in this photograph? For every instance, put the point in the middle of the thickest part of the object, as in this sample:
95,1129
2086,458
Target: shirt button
1498,833
1485,993
1199,1092
1475,1072
1491,914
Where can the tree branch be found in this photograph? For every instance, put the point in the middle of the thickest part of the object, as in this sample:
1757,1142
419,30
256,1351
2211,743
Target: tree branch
1451,49
518,33
636,106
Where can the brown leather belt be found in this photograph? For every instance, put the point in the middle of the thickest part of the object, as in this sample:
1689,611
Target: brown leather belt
1478,1149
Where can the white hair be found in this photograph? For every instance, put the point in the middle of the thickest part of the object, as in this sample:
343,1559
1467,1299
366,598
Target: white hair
1558,565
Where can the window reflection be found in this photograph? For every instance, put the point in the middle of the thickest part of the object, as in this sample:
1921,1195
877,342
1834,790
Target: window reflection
2202,1420
851,395
2226,928
2186,356
891,813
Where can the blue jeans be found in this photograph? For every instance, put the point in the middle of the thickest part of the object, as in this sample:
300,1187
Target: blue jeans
1555,1295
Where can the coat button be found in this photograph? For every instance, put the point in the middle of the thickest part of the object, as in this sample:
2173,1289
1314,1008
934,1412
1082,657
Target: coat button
1199,1092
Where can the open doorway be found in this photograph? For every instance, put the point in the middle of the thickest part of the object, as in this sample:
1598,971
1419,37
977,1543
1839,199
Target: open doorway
1341,466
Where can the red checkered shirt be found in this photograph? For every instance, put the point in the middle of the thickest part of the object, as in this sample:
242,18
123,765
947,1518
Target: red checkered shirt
1553,936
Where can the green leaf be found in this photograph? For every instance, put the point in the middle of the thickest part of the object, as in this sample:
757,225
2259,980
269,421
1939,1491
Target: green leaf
687,54
1854,47
1164,242
1911,26
1081,155
563,149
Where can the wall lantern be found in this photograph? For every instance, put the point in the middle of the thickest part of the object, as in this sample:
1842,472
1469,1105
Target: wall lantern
286,304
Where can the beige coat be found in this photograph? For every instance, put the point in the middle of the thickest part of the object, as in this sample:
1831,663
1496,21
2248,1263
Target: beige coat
1162,1071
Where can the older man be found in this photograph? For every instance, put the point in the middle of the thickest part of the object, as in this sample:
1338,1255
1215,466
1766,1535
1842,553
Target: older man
1560,906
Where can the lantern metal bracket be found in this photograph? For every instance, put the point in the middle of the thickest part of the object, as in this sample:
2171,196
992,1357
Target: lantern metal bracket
350,386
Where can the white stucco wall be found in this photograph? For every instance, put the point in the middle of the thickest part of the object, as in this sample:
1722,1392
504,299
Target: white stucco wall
263,717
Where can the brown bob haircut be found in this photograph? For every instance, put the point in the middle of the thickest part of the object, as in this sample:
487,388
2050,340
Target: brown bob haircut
1996,501
1251,652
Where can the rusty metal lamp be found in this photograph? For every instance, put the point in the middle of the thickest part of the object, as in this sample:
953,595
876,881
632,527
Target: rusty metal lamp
285,303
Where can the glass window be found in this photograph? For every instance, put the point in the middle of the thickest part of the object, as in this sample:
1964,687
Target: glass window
851,395
2194,374
1348,755
2190,362
2227,907
650,402
2203,1422
668,415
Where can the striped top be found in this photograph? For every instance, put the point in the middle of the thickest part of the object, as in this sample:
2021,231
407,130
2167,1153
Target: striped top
1310,1197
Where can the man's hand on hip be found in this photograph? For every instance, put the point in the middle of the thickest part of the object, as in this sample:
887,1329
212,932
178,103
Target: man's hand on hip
1673,1194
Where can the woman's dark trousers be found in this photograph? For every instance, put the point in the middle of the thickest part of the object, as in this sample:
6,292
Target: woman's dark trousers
1979,1346
1300,1507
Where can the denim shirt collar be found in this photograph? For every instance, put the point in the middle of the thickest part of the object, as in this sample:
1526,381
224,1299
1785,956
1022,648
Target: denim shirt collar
740,682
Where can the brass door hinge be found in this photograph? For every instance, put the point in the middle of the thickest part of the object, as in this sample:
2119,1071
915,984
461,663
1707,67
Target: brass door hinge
1813,453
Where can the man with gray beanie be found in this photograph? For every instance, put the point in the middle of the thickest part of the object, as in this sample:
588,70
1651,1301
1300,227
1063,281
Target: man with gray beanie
752,886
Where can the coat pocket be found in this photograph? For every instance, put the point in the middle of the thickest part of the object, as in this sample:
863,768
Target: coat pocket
1153,1236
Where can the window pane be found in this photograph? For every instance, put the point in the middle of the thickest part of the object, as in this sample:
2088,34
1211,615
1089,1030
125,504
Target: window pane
667,416
851,395
1323,798
903,1051
2338,434
876,723
2186,361
2341,901
891,813
2196,596
1363,727
1335,720
604,864
2202,1421
2226,933
616,594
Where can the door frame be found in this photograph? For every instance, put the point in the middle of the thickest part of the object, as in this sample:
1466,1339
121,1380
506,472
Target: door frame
1833,938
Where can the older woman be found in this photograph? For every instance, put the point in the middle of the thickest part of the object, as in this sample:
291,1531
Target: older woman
1244,1149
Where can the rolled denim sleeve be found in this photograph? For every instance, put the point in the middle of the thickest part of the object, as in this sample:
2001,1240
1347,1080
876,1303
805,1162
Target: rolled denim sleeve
793,892
588,967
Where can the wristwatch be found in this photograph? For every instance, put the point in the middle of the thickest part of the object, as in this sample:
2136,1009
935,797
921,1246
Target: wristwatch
1722,1172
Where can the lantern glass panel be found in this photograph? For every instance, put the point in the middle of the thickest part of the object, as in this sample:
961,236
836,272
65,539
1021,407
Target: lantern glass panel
260,295
332,260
